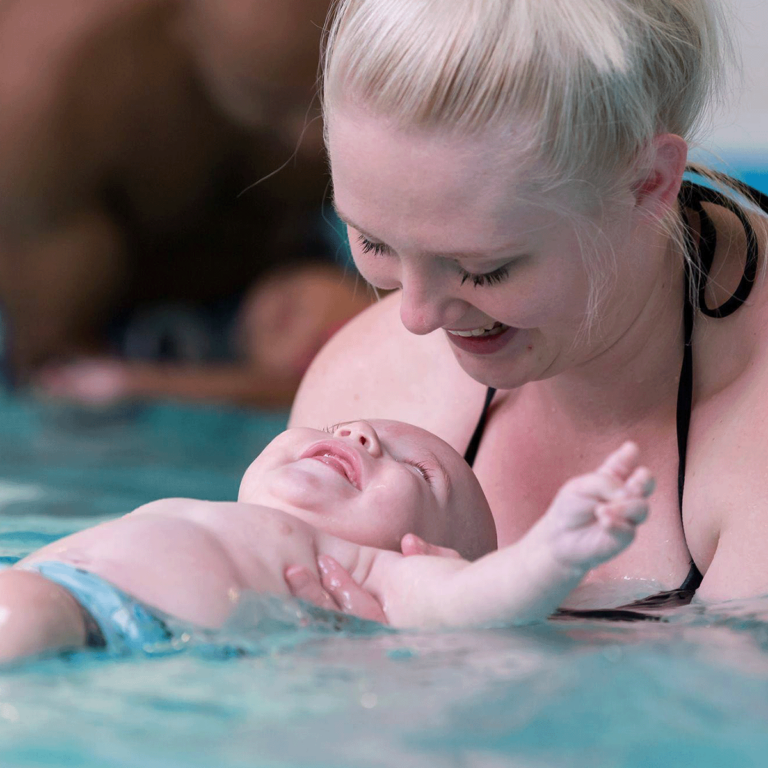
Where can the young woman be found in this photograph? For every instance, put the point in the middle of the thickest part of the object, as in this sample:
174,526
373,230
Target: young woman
515,171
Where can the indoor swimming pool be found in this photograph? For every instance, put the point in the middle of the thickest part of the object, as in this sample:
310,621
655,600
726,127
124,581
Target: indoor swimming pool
284,686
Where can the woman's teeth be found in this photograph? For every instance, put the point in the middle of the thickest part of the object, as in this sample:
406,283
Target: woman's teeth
489,330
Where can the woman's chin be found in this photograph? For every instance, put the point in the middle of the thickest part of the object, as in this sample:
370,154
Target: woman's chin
497,372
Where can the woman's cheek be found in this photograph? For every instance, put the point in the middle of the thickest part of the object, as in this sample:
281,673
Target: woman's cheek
534,303
378,275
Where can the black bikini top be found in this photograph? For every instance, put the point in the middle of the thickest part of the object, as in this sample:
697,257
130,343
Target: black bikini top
697,267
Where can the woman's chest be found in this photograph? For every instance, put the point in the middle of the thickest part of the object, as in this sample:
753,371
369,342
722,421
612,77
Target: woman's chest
525,458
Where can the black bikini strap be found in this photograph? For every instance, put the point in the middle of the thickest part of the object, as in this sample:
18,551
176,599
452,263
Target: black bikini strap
685,387
474,443
697,268
693,196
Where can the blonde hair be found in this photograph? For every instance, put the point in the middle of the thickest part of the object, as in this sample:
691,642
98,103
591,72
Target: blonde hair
590,81
580,86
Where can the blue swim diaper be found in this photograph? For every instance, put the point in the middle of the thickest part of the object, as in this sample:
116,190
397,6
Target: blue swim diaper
115,621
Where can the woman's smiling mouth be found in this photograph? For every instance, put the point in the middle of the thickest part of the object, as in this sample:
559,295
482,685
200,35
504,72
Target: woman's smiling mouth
494,329
482,341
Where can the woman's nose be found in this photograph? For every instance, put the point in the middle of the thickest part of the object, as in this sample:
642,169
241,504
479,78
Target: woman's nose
362,433
424,308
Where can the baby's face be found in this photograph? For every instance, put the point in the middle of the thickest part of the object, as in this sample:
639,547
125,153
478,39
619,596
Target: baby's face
371,482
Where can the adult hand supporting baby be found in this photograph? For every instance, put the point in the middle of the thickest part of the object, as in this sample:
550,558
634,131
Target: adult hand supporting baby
336,590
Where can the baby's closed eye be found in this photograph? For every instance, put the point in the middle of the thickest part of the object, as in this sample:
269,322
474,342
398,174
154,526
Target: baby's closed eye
422,469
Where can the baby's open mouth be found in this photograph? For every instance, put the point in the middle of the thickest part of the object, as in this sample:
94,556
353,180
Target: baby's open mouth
338,459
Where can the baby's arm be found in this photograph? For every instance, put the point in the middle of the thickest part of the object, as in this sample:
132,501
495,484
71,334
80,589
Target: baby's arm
592,519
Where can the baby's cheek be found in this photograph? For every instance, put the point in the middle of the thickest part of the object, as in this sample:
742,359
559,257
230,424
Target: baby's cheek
249,483
412,510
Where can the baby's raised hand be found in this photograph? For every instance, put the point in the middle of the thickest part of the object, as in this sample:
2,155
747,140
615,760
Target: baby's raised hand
595,516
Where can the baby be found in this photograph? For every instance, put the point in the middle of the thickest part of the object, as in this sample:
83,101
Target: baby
351,493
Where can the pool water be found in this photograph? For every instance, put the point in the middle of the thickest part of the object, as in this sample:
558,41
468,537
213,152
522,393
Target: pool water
282,686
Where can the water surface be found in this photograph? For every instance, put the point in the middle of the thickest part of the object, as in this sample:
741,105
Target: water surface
281,687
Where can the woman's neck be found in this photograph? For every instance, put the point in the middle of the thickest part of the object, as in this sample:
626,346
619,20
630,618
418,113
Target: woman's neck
638,372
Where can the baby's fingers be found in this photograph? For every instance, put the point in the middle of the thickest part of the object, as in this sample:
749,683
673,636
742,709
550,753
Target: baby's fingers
640,483
622,462
622,514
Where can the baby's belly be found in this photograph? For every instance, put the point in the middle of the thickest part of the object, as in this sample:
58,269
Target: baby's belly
182,566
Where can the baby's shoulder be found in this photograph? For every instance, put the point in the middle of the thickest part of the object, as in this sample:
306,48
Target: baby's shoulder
222,514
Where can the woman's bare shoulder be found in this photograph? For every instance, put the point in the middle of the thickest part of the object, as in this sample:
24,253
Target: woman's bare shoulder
374,368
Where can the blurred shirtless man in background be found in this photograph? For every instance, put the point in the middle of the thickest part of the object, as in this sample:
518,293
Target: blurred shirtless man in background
128,131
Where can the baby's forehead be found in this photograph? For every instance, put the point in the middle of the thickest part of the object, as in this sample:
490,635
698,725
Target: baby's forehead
402,429
389,429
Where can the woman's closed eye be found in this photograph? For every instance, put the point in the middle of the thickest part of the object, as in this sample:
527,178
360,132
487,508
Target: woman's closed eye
368,246
494,277
488,278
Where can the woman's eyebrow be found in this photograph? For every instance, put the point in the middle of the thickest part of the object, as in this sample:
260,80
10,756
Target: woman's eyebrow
348,222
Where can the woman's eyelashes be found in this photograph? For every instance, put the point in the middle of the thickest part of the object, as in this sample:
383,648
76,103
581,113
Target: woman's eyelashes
489,278
368,246
478,281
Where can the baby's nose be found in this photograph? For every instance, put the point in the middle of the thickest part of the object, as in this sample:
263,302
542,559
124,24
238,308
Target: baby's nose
362,433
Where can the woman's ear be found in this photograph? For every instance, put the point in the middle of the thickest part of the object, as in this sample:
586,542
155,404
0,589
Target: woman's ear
656,189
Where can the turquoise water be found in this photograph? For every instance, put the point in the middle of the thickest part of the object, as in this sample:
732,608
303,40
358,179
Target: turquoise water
751,170
311,692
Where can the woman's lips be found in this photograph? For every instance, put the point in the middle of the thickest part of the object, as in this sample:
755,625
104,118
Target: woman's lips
483,345
339,458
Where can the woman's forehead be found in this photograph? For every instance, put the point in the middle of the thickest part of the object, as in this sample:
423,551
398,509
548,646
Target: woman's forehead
367,143
391,186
